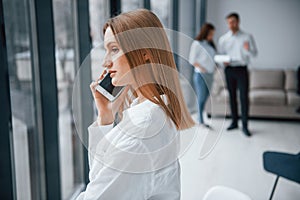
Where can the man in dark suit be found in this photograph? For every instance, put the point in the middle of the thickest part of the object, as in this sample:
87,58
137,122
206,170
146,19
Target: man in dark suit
240,46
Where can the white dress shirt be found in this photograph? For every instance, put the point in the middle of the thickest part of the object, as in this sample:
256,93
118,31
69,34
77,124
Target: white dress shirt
135,160
202,53
233,45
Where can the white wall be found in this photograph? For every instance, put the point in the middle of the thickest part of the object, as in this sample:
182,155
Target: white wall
275,25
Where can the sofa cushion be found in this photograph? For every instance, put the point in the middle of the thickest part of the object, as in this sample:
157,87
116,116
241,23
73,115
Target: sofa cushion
293,99
266,79
290,80
267,97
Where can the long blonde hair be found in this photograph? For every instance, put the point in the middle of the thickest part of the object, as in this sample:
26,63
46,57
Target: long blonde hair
144,42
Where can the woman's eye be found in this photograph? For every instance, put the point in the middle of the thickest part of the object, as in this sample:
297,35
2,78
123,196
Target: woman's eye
115,50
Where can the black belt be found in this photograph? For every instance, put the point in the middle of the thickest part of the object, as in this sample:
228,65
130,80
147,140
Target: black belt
238,67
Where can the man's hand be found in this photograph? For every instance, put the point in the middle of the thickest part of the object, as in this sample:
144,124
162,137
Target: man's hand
246,46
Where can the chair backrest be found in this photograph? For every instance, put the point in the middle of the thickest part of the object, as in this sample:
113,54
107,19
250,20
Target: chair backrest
225,193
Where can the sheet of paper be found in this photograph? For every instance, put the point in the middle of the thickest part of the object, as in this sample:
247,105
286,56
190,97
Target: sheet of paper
222,58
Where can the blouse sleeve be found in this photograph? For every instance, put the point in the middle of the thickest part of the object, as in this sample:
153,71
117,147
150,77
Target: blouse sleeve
110,183
95,134
194,50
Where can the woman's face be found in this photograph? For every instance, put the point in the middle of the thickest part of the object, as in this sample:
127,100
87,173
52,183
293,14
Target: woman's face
115,60
210,36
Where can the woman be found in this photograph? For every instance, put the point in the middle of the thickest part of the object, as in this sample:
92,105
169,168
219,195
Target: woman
201,57
137,159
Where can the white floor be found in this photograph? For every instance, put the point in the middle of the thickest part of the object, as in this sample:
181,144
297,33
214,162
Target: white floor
236,161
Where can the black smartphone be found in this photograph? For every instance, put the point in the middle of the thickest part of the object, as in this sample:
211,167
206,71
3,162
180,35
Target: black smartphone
106,88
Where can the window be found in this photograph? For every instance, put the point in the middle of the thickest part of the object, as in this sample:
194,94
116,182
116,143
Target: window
25,134
70,147
162,10
128,5
99,12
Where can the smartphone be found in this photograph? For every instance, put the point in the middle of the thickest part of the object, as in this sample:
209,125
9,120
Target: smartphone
108,90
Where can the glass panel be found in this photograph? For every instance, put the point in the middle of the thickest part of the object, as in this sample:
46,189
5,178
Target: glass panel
99,13
128,5
24,128
162,10
70,148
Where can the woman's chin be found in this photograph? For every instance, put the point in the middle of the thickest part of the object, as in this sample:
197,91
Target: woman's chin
116,82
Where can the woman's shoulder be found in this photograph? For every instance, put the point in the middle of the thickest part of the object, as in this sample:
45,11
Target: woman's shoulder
142,130
196,44
144,119
144,114
205,43
137,124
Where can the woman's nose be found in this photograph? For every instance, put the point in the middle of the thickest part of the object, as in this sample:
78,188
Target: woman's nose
107,63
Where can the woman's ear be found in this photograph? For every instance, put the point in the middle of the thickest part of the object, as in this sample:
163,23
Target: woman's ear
146,57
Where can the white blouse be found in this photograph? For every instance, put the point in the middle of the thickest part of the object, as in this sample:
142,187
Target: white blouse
202,53
135,160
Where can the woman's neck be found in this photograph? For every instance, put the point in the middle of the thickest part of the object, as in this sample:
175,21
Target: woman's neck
140,97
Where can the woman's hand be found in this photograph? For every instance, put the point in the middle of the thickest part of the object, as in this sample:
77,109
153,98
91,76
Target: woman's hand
201,68
106,109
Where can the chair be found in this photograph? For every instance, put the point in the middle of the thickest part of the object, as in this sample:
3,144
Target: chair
283,165
224,193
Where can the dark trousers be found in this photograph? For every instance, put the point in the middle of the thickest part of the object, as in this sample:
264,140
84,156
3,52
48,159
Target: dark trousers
237,78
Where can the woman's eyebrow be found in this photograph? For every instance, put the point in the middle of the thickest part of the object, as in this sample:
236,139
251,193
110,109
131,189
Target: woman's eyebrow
109,43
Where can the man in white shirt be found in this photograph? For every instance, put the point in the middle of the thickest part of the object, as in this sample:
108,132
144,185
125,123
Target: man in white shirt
240,46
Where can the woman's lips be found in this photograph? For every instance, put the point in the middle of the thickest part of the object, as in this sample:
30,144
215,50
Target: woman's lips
112,73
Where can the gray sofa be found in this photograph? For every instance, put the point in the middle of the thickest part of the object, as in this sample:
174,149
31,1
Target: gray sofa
272,94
